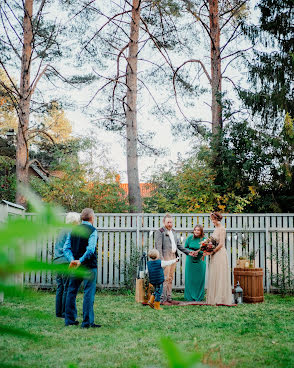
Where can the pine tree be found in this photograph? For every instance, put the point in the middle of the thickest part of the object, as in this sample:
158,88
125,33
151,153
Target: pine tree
271,72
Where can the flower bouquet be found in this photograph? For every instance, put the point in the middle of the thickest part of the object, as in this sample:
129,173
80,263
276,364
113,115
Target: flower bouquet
208,245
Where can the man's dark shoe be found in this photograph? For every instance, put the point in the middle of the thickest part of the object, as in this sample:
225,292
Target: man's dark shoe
75,323
91,326
174,302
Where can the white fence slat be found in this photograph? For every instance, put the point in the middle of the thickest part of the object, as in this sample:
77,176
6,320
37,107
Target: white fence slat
105,258
206,222
229,250
274,253
150,222
100,257
128,240
145,235
239,235
279,241
234,243
44,247
38,257
122,256
49,259
268,250
111,255
291,245
255,239
116,252
190,225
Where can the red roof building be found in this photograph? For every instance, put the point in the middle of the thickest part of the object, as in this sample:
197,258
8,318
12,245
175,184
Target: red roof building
145,188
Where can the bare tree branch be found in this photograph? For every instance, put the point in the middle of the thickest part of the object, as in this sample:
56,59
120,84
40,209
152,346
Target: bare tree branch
237,52
38,78
40,131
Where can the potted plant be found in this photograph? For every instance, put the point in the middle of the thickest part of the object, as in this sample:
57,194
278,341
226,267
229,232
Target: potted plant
252,255
243,261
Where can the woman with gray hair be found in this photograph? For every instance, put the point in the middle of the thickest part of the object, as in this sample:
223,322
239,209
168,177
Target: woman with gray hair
59,258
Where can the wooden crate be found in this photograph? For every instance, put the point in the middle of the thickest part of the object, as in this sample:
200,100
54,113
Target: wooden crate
251,281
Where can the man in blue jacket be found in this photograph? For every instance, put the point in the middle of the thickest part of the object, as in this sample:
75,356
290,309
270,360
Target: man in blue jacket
80,248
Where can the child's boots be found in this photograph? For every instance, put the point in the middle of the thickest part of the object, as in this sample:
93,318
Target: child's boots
157,306
151,301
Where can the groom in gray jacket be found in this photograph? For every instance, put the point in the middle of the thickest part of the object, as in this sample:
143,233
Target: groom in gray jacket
167,244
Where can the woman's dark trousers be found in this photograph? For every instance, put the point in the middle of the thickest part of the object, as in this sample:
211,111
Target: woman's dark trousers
61,293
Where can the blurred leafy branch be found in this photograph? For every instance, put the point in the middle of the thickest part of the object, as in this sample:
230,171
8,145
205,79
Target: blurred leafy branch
179,359
17,237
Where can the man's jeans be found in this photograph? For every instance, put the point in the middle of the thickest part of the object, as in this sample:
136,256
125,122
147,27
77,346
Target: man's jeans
157,291
88,303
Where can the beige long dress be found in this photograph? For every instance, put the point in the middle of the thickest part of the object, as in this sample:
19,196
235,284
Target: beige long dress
219,290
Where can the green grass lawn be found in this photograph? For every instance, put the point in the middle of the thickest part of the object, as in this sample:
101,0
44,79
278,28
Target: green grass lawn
258,335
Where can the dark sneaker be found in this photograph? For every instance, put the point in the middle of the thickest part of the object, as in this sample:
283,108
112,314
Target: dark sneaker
91,326
95,326
174,302
75,323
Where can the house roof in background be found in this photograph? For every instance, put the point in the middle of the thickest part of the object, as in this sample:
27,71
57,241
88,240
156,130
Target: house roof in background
13,204
40,172
145,189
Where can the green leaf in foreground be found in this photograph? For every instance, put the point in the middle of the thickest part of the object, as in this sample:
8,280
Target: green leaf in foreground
179,359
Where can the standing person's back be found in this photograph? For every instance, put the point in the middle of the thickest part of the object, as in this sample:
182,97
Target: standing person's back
59,258
79,244
81,249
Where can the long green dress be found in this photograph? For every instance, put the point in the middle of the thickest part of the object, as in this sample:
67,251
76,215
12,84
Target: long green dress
195,271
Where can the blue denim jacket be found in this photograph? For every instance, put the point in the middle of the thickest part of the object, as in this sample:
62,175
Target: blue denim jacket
58,249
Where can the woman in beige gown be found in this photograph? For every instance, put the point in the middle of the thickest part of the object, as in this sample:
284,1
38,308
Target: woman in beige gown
219,289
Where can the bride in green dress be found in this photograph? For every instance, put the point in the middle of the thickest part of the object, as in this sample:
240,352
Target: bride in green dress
195,266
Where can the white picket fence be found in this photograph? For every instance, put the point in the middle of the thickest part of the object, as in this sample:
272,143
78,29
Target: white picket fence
119,234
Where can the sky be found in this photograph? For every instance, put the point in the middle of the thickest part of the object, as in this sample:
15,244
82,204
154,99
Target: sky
174,145
111,144
114,143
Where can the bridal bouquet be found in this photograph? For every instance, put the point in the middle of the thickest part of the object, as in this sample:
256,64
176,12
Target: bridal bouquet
208,245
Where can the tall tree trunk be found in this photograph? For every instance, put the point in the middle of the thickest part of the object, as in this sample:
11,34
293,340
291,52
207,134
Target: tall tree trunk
216,76
131,112
24,102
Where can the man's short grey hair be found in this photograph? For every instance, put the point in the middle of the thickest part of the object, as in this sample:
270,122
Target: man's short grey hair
87,214
166,217
73,218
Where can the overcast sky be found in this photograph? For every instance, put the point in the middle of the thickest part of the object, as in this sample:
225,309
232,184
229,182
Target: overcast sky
162,127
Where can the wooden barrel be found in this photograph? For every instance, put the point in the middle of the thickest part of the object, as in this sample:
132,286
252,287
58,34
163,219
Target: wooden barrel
251,281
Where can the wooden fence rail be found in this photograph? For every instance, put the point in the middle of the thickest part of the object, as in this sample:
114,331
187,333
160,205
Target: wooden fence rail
269,235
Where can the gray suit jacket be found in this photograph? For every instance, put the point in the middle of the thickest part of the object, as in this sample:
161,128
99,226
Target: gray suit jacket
163,243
